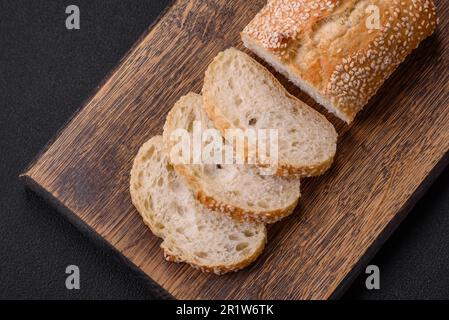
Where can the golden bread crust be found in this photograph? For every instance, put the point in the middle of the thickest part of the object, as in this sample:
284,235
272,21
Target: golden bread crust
331,46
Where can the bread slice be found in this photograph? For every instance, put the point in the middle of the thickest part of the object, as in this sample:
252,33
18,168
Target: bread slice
237,190
334,50
207,240
238,92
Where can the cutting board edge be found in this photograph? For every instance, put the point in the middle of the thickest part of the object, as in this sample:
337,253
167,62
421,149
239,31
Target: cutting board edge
28,168
391,227
28,180
93,236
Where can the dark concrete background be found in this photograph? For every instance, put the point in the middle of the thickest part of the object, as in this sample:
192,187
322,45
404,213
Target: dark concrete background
46,72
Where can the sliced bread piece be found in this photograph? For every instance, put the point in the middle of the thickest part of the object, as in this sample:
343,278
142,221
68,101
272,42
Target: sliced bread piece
239,92
234,189
207,240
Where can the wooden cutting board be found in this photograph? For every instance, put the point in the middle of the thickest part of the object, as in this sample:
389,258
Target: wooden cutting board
385,160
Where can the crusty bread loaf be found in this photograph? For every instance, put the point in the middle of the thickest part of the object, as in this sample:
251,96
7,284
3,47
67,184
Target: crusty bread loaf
240,93
207,240
237,190
333,49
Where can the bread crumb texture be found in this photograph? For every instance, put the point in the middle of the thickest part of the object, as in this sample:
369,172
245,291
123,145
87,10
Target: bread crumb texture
240,93
207,240
235,189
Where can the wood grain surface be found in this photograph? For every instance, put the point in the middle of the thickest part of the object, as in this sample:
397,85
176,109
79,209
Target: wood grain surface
385,160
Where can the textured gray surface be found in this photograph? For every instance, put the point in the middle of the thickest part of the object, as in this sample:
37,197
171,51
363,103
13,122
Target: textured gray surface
46,72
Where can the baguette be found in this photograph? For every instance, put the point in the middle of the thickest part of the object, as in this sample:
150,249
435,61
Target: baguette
333,49
207,240
240,93
237,190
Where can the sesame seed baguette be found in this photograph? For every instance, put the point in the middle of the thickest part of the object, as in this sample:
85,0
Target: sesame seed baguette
237,190
239,93
206,240
326,48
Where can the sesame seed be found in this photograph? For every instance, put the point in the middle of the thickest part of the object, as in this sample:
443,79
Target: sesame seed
282,24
